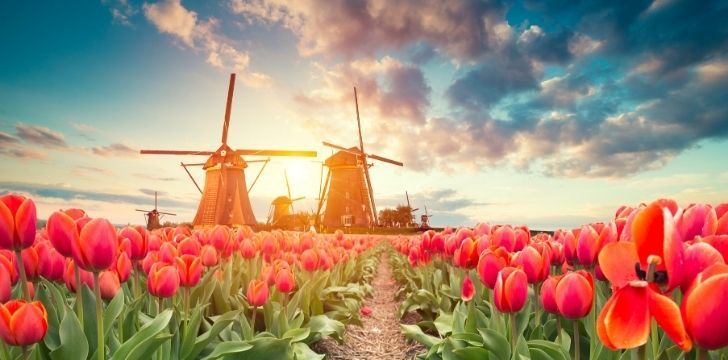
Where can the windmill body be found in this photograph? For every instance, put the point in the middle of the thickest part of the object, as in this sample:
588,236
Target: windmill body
225,198
347,194
153,216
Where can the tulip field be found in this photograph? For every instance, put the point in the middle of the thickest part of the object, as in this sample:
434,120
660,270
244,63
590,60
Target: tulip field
651,282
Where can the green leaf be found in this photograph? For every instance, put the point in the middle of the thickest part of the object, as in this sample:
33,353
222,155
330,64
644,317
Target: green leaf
322,326
221,322
443,323
496,343
471,353
72,344
228,348
297,335
415,333
301,351
551,349
113,310
146,340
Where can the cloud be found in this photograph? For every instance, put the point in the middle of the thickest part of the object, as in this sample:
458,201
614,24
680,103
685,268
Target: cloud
121,11
91,170
155,178
85,130
115,149
71,195
170,17
151,192
42,136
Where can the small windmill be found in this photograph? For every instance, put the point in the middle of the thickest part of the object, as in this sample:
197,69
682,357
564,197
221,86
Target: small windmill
347,192
425,219
412,211
225,198
281,209
153,217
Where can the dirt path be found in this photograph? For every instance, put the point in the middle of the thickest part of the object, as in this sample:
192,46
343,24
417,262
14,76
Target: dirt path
380,337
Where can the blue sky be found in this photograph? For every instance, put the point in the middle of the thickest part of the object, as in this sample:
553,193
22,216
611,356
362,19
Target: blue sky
504,111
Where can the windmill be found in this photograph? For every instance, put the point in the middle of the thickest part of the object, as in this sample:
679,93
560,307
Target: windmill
153,216
425,219
412,211
281,209
225,198
347,192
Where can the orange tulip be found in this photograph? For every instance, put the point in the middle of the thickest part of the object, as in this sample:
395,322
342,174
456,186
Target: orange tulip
511,290
468,290
257,292
548,294
285,282
97,246
624,322
21,323
17,222
6,286
62,232
69,276
490,263
574,294
163,280
208,256
309,260
109,284
704,308
533,264
656,241
190,270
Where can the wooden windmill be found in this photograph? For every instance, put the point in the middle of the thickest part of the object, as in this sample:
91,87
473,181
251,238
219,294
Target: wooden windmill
347,193
425,219
409,206
225,198
153,217
281,209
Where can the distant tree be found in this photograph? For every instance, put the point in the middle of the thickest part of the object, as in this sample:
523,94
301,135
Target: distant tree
401,216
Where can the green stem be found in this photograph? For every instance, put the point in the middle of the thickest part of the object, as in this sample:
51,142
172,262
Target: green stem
101,346
701,354
79,294
514,336
654,338
577,351
558,329
23,278
6,352
252,327
642,352
186,323
26,353
137,284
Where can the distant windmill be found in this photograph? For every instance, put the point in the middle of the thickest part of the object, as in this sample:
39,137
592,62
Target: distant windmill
412,211
225,198
425,219
281,209
153,216
347,192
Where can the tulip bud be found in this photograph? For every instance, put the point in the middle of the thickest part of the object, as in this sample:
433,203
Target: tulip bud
468,290
209,256
548,294
21,323
138,242
490,263
190,270
511,290
309,260
285,282
17,222
62,232
97,246
574,294
704,308
163,280
109,284
257,293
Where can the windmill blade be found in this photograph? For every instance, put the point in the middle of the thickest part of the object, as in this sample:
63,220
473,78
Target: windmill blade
166,213
191,177
228,106
415,209
298,198
145,211
380,158
192,164
288,186
358,122
301,153
257,161
339,147
175,152
265,163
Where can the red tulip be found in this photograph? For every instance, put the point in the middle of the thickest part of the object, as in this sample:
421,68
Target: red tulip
257,293
309,260
190,270
247,249
139,241
31,262
721,227
6,286
167,253
548,294
504,236
574,294
696,220
122,267
17,222
624,321
7,260
705,310
69,276
468,290
532,263
698,257
656,242
109,284
21,323
590,242
285,282
189,246
50,262
490,263
511,290
209,256
570,247
62,232
163,280
97,246
466,256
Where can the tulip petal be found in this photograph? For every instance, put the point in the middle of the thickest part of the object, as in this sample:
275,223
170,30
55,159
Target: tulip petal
617,260
602,326
7,227
706,311
627,322
648,233
25,223
28,324
667,315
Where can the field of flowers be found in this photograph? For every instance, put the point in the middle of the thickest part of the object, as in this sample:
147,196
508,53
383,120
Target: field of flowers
81,288
650,284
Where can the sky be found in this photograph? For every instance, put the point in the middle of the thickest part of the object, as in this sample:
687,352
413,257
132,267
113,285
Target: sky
550,114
